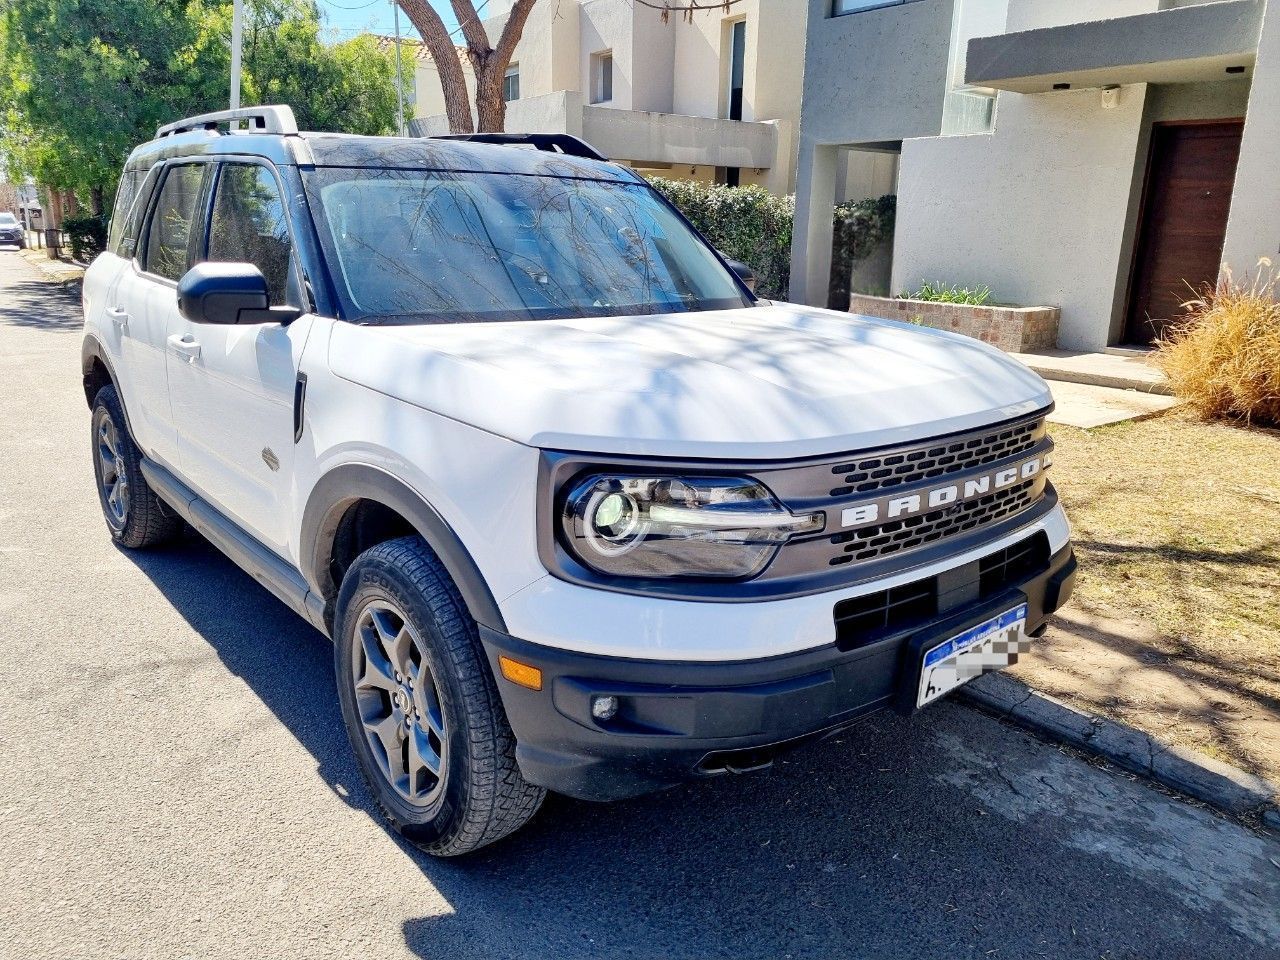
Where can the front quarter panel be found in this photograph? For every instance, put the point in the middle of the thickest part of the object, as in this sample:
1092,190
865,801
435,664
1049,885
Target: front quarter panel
481,485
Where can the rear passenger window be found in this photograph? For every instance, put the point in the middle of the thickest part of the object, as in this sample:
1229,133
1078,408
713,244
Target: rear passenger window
125,192
169,238
126,222
249,225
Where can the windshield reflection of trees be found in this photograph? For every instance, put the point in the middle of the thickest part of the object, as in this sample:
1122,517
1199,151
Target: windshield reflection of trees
460,247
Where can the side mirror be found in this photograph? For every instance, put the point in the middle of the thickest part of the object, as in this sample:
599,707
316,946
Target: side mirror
229,293
745,273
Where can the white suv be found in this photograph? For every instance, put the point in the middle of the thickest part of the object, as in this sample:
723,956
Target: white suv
578,511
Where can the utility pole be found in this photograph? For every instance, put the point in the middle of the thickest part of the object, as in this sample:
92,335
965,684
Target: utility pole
237,34
395,9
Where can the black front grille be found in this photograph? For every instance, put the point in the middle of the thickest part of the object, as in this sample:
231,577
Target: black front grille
892,536
894,469
1015,562
864,620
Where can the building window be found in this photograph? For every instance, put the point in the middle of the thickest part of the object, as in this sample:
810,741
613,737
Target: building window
602,77
840,7
737,66
511,83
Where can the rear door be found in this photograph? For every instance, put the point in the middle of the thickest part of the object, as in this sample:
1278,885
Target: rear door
148,295
232,387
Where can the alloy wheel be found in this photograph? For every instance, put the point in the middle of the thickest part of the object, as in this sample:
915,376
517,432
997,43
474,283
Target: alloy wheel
112,475
398,702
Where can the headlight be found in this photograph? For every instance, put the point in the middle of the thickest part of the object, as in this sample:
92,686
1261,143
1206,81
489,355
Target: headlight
710,527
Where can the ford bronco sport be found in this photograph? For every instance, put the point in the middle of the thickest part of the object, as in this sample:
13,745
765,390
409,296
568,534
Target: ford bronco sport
578,511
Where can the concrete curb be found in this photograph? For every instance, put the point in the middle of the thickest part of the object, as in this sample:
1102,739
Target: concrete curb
60,272
1201,777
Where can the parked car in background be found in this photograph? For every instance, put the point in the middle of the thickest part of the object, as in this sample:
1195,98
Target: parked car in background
577,510
11,230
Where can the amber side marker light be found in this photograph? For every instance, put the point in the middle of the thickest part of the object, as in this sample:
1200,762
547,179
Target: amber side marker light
520,673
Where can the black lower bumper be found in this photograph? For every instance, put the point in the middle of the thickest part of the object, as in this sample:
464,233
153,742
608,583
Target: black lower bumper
677,721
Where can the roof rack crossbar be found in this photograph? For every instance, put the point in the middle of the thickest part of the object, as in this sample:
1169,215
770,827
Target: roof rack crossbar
268,119
551,142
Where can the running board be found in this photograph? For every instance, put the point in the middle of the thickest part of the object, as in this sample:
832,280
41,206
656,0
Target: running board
282,578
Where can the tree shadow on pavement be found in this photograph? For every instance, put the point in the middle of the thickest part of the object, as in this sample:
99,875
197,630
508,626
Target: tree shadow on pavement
37,303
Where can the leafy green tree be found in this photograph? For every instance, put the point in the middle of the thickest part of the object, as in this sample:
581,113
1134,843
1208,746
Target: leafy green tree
349,87
83,81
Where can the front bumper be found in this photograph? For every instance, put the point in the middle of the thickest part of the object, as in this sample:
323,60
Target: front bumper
683,720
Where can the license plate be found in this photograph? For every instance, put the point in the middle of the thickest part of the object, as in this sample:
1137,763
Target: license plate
989,646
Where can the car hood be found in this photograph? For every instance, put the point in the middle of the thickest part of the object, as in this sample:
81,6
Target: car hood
767,382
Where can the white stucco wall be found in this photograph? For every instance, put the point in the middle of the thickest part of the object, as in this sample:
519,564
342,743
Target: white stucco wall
1253,230
665,72
1037,210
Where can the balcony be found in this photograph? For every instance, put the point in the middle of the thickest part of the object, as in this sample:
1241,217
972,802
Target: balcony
642,137
1180,45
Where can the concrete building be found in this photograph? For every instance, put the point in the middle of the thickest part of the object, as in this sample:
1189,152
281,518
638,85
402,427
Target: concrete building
1103,156
715,98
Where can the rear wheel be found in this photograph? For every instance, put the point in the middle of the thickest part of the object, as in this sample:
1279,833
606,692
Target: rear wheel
420,704
134,514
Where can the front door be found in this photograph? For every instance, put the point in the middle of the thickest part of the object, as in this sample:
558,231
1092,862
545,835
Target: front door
149,293
1184,222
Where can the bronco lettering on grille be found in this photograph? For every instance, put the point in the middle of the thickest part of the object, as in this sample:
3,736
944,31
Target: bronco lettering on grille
943,496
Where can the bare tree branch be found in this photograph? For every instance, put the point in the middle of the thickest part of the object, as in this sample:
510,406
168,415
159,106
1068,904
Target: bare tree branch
473,32
687,9
453,81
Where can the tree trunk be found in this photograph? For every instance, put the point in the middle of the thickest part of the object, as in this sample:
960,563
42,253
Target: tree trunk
96,200
453,82
491,109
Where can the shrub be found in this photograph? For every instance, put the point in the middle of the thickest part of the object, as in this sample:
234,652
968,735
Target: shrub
88,235
752,225
746,223
1223,358
941,293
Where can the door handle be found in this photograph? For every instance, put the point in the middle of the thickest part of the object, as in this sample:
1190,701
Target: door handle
185,347
119,317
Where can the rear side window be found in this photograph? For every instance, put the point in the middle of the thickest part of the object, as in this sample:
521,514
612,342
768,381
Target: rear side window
169,237
126,220
125,193
249,225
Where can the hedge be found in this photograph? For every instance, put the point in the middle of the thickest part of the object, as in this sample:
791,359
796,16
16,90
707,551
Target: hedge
88,233
752,225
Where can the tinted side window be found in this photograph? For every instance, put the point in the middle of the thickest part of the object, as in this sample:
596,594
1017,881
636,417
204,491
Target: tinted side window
249,225
130,227
125,192
169,238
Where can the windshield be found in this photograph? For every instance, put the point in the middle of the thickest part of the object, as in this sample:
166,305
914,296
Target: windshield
8,219
411,246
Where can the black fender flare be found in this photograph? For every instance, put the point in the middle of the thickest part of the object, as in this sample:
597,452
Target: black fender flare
341,487
92,351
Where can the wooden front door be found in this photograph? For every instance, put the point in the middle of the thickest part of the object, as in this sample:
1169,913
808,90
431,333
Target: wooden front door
1183,223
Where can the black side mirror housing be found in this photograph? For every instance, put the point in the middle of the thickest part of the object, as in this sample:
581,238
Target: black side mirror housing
745,273
229,293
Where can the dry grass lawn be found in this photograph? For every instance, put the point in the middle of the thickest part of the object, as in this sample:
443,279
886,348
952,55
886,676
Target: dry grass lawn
1177,528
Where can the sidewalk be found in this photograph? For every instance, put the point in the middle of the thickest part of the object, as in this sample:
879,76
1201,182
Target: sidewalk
54,271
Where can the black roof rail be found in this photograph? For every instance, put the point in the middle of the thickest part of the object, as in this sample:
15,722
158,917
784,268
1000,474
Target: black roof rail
551,142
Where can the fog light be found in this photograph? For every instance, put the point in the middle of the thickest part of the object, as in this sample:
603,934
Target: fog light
604,708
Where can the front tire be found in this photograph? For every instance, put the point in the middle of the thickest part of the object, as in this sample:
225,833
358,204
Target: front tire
421,706
134,514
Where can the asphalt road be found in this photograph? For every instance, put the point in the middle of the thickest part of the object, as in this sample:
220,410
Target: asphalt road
175,782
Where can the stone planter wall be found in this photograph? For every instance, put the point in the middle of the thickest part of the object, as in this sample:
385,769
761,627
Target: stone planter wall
1013,329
